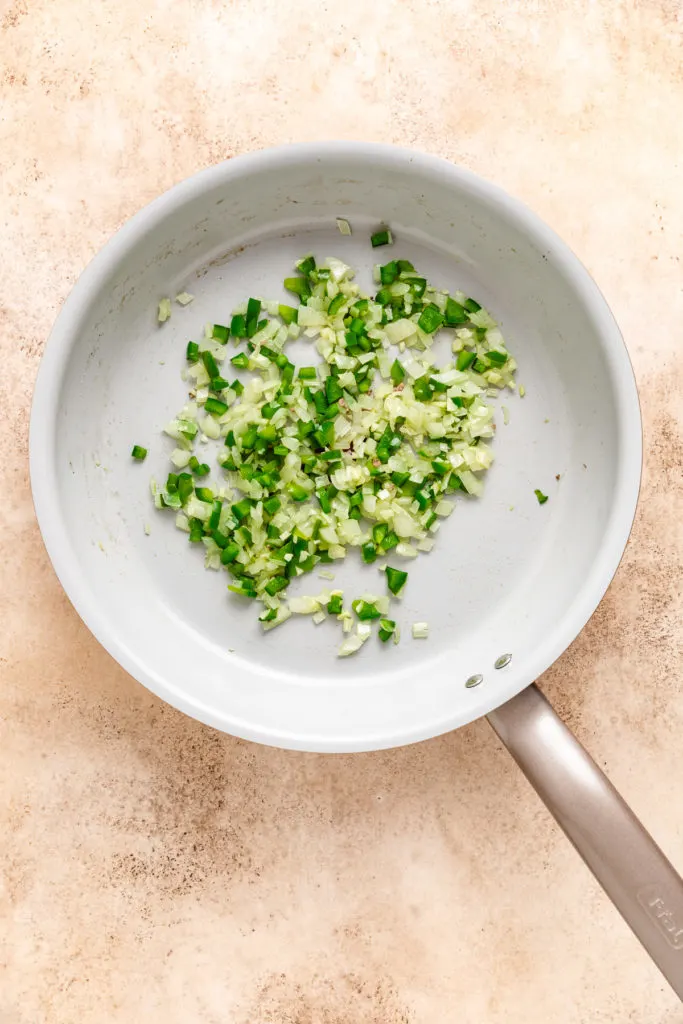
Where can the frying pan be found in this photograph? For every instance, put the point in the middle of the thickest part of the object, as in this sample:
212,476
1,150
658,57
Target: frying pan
509,583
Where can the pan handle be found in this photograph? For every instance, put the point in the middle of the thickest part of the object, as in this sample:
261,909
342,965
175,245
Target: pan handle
624,858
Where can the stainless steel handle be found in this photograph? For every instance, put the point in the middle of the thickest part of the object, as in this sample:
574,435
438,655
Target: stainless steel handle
624,858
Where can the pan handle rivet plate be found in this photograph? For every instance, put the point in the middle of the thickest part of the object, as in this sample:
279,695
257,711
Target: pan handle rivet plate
474,681
504,660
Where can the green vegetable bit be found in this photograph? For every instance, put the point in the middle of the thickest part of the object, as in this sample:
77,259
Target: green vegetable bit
197,467
387,629
288,314
185,486
252,317
497,358
238,326
215,406
368,552
430,320
210,364
230,553
383,237
336,304
139,453
396,579
465,359
299,286
389,272
365,610
220,333
455,313
306,266
397,373
540,497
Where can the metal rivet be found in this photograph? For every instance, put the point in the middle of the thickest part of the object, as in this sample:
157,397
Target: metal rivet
504,660
474,681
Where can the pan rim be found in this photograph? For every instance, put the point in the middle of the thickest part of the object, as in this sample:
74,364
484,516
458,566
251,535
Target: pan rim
45,406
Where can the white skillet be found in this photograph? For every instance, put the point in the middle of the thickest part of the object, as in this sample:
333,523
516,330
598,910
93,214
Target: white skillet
507,576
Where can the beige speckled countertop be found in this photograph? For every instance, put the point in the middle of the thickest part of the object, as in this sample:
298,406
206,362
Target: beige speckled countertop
154,871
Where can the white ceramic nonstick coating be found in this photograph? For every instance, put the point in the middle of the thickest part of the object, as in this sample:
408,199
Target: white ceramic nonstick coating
506,575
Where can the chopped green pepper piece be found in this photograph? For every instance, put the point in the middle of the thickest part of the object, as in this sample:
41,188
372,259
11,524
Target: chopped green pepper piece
210,364
336,304
399,478
396,579
185,487
306,265
275,585
230,553
220,333
215,406
288,314
390,541
465,359
387,628
197,467
383,237
242,509
389,272
379,532
196,530
430,320
365,610
252,316
215,516
333,392
297,492
397,372
455,313
497,358
423,389
368,552
299,286
238,326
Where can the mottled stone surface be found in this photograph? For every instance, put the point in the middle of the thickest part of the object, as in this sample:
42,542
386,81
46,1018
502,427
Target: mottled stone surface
155,871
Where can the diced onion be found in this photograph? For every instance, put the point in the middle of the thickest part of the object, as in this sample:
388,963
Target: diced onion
353,447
